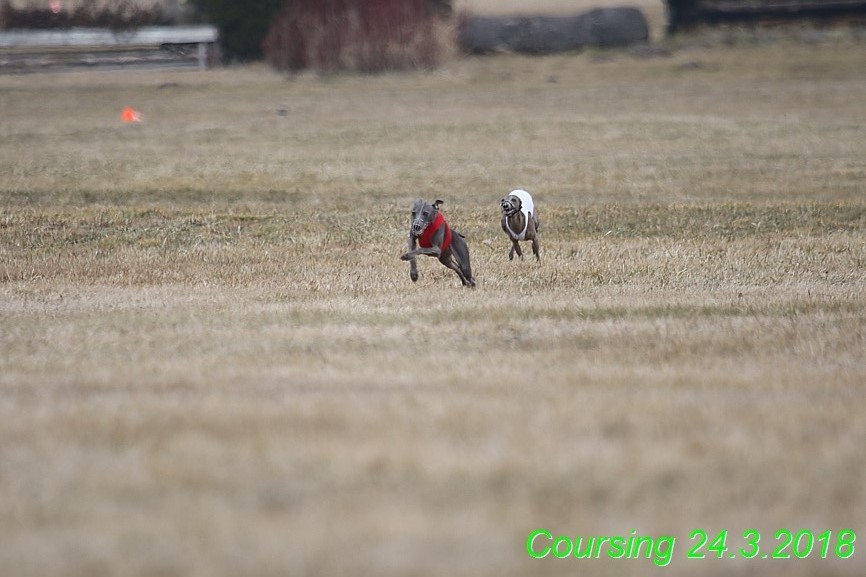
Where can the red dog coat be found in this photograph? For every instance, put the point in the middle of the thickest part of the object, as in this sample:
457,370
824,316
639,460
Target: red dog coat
426,238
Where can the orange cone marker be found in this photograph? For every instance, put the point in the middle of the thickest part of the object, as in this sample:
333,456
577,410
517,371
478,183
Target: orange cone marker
130,114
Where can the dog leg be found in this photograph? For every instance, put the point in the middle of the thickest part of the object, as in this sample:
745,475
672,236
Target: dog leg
432,251
515,247
460,260
454,263
465,273
413,252
532,235
466,268
456,268
467,282
413,266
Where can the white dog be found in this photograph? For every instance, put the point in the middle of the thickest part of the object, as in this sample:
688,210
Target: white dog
520,221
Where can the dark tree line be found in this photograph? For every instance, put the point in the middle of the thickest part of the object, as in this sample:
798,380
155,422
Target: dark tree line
685,14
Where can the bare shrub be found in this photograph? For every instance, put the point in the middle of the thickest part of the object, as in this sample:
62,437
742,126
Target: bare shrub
359,35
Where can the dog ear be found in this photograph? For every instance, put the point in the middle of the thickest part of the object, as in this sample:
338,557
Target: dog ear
438,202
419,204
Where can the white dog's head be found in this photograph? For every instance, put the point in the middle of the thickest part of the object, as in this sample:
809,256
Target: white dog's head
511,204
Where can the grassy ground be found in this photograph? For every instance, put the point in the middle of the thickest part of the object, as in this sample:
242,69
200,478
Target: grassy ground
212,361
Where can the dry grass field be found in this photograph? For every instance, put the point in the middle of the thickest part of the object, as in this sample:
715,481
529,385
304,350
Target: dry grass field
213,362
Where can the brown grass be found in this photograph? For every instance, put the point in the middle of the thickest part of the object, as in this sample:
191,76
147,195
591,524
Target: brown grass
212,361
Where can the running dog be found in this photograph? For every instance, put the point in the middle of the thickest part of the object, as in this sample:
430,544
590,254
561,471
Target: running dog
520,221
436,238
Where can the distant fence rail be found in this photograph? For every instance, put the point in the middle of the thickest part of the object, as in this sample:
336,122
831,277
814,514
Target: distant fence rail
689,13
25,50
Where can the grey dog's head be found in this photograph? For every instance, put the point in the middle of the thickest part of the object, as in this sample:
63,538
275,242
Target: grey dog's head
510,204
423,215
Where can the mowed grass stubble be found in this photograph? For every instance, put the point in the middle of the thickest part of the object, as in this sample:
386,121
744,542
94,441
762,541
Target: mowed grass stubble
214,363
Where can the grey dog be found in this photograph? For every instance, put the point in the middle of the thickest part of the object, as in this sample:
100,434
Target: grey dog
436,238
520,221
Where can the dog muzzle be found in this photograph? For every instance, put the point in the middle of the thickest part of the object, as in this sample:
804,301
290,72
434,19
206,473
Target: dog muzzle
507,208
418,226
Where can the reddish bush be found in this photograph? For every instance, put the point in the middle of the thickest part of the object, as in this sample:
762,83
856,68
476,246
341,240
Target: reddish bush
359,35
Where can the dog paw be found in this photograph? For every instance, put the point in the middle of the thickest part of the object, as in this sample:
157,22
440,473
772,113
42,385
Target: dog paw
413,276
405,256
